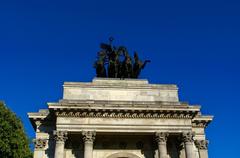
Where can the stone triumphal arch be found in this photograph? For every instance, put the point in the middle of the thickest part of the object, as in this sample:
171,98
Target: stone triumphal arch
114,118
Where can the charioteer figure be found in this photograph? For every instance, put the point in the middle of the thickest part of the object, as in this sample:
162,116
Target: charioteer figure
109,59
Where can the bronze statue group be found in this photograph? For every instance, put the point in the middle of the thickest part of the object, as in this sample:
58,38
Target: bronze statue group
115,62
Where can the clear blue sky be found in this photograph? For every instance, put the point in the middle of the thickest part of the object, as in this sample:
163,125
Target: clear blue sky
194,44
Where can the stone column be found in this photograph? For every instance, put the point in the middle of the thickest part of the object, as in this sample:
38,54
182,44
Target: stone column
60,138
161,139
182,153
188,142
88,139
39,150
180,147
202,146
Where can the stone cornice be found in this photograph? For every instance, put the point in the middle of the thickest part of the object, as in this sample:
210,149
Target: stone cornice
126,113
71,104
125,109
64,102
40,115
201,121
118,83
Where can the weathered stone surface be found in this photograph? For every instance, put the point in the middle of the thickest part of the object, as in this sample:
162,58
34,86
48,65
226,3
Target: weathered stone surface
123,125
112,118
120,90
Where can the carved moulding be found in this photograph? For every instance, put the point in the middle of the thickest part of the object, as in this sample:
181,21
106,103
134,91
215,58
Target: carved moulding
202,123
165,114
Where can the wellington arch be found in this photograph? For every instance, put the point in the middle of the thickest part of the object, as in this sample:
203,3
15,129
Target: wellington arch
117,115
107,116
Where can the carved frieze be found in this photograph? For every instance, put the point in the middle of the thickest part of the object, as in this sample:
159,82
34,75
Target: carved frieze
127,114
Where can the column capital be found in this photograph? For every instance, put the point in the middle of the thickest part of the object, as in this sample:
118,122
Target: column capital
88,136
161,136
60,136
40,143
188,136
201,144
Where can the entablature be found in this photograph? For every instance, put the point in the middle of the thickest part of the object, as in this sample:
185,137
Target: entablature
124,111
202,121
42,117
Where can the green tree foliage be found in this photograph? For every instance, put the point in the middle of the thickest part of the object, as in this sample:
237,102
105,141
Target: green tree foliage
13,140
